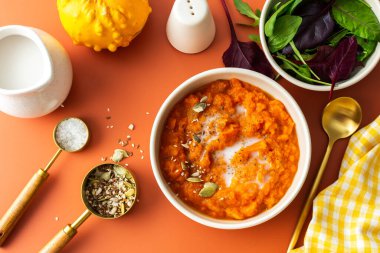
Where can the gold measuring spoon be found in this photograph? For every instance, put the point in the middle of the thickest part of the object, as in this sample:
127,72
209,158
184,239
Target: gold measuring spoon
341,118
99,202
70,135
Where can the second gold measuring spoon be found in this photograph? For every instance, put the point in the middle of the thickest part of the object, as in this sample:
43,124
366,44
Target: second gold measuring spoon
109,191
71,135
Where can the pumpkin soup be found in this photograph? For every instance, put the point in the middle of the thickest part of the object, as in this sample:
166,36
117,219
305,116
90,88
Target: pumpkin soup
229,150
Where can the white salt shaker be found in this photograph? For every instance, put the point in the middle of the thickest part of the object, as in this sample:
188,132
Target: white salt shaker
190,27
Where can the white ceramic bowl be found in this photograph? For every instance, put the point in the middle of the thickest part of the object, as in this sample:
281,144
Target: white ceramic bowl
266,84
356,76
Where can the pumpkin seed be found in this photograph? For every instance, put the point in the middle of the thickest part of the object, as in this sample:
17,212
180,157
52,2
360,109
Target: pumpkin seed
194,179
199,107
196,138
106,176
119,154
130,192
120,170
184,166
208,190
204,99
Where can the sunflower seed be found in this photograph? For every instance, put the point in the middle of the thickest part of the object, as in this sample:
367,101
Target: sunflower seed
185,145
203,99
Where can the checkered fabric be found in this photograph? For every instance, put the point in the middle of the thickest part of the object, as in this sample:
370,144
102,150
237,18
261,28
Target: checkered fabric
346,215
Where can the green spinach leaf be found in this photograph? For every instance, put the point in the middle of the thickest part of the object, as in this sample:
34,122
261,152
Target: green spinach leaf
337,37
296,52
269,25
246,10
358,18
305,56
368,46
300,71
284,31
293,6
254,37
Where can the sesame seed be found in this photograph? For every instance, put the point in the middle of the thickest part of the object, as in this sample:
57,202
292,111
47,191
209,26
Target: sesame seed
131,127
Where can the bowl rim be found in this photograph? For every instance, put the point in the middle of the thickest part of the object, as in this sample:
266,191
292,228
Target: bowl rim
370,63
182,206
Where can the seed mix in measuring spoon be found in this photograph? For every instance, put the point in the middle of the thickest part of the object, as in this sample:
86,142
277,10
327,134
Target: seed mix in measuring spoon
110,190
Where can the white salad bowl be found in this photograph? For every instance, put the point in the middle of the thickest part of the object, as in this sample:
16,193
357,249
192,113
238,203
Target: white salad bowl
357,75
267,85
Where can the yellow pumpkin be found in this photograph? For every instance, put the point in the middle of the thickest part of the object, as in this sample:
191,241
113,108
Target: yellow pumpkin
101,24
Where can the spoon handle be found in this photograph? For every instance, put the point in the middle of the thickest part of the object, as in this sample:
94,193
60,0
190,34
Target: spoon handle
310,198
63,237
59,241
18,207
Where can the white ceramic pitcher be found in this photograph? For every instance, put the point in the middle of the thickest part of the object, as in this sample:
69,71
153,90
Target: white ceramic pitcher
35,72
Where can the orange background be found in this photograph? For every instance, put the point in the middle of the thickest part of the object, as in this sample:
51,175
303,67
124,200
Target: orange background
131,82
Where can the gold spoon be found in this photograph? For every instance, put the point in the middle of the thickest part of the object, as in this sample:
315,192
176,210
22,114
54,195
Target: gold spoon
64,136
341,118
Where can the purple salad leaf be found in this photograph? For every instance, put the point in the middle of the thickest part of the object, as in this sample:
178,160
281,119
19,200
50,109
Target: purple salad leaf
335,64
316,27
343,62
247,55
319,64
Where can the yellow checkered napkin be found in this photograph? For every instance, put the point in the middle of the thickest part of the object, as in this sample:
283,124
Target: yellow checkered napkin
346,215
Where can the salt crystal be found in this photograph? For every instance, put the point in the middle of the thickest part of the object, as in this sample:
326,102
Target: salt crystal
131,127
71,134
